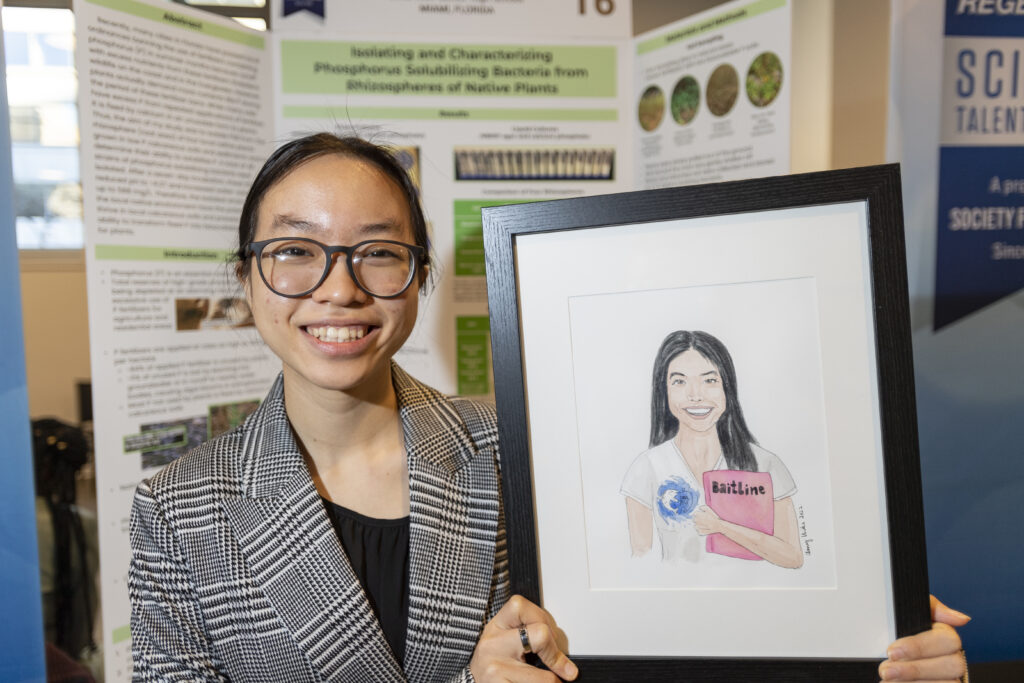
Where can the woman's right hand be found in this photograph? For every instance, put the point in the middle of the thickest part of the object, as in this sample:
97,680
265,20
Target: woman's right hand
500,654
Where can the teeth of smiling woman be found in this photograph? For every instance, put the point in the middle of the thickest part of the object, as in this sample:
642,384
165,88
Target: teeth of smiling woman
698,412
338,334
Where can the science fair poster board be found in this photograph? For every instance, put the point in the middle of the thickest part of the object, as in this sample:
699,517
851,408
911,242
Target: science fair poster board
711,96
175,120
488,103
496,103
609,19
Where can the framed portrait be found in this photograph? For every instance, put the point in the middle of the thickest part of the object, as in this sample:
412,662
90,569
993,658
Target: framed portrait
706,409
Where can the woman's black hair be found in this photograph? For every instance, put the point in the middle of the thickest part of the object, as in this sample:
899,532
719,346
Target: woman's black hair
294,153
733,433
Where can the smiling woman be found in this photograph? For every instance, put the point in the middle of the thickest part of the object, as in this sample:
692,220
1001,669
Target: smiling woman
355,515
352,527
335,334
697,427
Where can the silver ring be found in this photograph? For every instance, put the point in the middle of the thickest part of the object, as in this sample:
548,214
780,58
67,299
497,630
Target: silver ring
524,638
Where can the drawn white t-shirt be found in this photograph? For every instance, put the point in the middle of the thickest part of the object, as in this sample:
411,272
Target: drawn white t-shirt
663,469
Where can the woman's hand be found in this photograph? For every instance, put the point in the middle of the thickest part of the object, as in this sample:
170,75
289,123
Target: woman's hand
934,655
500,653
706,521
781,548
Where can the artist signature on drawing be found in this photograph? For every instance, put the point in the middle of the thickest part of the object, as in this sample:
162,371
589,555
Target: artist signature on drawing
803,531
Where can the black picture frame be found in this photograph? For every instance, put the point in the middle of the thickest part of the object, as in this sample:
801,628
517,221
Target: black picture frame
879,188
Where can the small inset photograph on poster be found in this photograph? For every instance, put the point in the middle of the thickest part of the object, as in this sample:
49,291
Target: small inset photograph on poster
534,163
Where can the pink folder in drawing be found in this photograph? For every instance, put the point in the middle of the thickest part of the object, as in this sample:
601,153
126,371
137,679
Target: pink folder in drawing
742,498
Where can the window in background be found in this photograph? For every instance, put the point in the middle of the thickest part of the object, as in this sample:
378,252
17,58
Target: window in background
42,89
252,22
230,6
250,13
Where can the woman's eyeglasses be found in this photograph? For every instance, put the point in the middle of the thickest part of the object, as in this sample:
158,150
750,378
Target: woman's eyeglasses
295,266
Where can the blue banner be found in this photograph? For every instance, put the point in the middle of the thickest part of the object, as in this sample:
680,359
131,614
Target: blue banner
980,249
980,245
984,18
313,6
21,628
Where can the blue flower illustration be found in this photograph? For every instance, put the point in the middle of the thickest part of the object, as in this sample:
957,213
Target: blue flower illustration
676,499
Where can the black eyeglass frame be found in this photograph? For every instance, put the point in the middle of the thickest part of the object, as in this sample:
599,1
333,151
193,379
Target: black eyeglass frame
416,252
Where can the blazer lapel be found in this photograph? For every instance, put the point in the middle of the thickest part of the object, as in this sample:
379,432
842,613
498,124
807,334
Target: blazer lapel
453,512
294,555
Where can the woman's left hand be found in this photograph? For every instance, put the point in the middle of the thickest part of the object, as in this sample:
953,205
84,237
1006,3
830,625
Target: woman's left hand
518,628
706,520
933,655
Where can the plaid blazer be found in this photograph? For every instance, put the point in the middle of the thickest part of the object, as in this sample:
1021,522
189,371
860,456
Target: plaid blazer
238,574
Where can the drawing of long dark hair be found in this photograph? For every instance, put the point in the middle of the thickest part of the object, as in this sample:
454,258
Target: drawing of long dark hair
733,433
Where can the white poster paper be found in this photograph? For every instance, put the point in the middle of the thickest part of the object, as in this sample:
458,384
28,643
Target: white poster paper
175,120
518,116
711,96
557,19
486,102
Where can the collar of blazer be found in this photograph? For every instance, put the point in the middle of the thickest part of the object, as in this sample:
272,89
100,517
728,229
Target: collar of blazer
434,433
294,555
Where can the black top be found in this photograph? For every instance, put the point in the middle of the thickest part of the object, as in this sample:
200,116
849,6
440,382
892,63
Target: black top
378,550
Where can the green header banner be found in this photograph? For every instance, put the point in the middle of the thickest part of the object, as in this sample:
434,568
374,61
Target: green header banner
453,114
166,15
113,252
469,235
472,347
343,68
711,24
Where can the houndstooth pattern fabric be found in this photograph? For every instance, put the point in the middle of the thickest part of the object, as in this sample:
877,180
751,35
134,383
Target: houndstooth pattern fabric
237,574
